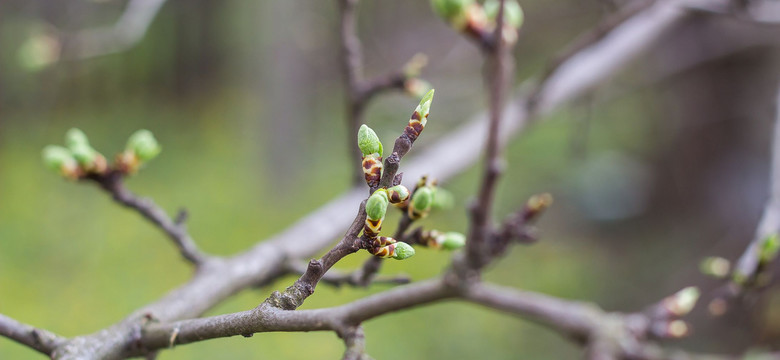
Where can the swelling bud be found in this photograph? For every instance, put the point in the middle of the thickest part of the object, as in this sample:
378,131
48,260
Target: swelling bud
75,137
368,141
513,13
376,206
143,144
453,240
403,251
60,160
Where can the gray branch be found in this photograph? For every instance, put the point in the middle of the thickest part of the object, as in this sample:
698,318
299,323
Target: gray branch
124,34
175,229
769,224
40,340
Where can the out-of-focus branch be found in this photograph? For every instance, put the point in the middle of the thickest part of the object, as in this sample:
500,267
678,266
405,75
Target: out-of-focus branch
359,92
601,55
124,34
112,183
41,340
501,64
769,224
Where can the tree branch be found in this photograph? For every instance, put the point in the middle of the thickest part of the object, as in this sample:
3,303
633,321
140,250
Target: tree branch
112,182
769,224
340,278
41,340
360,92
124,34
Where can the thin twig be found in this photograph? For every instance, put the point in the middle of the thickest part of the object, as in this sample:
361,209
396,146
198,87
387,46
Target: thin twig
176,230
500,62
340,278
769,224
124,34
41,340
368,272
359,92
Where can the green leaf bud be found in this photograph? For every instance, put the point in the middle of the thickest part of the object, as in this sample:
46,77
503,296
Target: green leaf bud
376,206
75,137
442,199
513,13
144,145
450,9
422,199
715,266
425,106
397,194
39,51
57,158
453,240
769,248
682,302
403,251
84,154
368,142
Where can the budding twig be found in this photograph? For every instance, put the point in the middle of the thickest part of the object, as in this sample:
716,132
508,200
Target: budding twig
501,64
359,92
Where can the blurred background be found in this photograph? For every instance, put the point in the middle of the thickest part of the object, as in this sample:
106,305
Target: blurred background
661,167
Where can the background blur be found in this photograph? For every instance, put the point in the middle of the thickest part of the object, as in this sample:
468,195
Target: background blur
664,166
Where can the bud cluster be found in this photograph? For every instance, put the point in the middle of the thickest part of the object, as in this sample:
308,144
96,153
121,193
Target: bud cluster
480,20
80,159
382,246
667,322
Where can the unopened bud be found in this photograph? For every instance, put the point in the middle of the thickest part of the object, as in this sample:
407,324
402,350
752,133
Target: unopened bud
424,108
421,203
61,160
682,302
75,137
368,141
397,194
513,13
442,199
453,240
403,251
84,154
144,145
39,51
769,248
714,266
677,329
376,206
451,10
536,205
